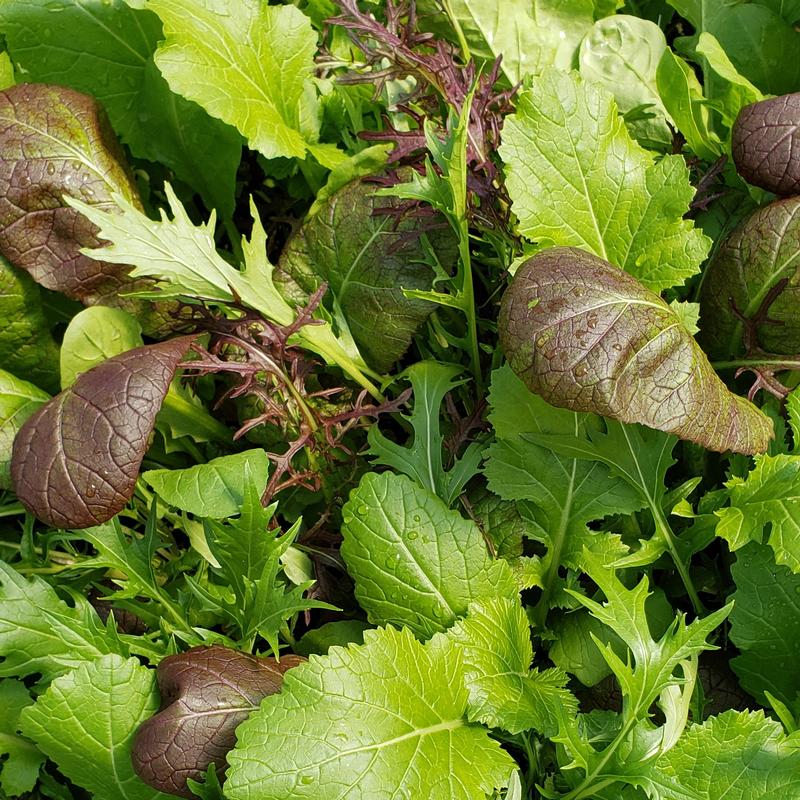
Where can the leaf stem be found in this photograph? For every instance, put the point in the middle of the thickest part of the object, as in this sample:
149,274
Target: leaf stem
777,363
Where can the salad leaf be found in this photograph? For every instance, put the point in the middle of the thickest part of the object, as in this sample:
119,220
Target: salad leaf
367,259
26,345
40,633
388,713
215,489
414,561
93,750
577,178
206,693
765,624
590,337
18,400
20,770
76,460
504,692
249,65
760,252
105,49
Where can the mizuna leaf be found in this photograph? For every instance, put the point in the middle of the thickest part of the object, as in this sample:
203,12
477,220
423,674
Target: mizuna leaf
587,336
206,693
20,770
55,142
577,178
76,460
763,250
388,715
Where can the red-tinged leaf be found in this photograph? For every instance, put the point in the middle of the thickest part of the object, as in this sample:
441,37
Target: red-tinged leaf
76,460
588,336
206,693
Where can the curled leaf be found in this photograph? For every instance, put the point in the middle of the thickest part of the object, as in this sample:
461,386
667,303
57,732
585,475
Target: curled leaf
765,143
587,336
206,693
76,460
760,253
56,142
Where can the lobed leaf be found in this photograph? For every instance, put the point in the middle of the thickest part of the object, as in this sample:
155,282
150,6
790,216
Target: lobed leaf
18,400
20,769
589,337
76,460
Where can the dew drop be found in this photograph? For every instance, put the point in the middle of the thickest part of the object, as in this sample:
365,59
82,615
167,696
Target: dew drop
306,780
362,509
581,370
412,535
51,168
347,518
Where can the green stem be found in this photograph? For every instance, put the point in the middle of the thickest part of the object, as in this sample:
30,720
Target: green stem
12,510
467,298
462,40
665,531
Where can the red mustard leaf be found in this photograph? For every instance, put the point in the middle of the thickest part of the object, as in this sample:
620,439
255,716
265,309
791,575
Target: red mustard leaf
206,693
75,461
587,336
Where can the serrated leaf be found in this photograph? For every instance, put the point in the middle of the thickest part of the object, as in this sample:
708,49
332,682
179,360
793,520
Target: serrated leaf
414,561
94,749
389,713
40,633
576,178
20,770
504,692
770,495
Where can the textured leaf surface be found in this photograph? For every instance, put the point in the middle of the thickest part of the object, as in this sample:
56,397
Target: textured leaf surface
55,142
766,144
206,693
504,692
587,336
770,495
20,770
414,561
40,633
215,489
18,400
733,756
248,64
76,460
577,178
105,49
763,250
389,713
765,624
367,260
94,749
26,345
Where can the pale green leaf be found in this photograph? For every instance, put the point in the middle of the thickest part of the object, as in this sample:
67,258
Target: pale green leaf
349,725
577,178
20,770
86,722
18,400
415,562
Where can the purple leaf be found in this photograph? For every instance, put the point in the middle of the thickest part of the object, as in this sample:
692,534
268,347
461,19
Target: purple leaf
75,461
206,693
587,336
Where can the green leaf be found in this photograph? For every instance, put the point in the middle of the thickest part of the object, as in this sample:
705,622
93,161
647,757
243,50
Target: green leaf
389,713
622,53
86,722
215,489
737,755
20,770
423,458
105,48
504,692
566,492
765,624
250,65
577,178
26,345
18,400
414,561
40,633
769,495
92,336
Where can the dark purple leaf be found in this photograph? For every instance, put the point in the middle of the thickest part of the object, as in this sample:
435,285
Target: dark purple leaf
76,460
766,144
206,693
587,336
57,142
